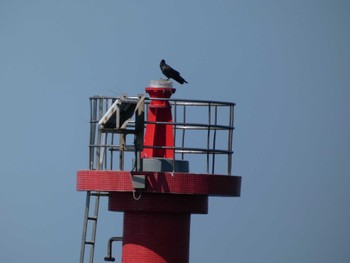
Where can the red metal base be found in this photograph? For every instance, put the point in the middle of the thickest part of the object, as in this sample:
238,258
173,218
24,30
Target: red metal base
157,218
156,226
156,237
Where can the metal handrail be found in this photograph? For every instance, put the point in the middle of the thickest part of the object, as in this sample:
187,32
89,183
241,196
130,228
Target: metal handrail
210,127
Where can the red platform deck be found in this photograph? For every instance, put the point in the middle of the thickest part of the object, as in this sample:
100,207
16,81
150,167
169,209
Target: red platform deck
160,182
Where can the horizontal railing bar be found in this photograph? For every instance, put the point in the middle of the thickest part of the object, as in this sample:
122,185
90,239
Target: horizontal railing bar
131,148
183,125
180,149
179,126
98,97
179,102
191,102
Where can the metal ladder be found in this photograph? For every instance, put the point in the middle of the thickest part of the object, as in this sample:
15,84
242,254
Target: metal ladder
91,216
98,161
90,220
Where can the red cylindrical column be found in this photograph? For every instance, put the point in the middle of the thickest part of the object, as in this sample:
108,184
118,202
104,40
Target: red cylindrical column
156,237
157,225
159,111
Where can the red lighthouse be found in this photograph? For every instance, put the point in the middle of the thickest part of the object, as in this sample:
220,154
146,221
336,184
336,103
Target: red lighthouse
158,194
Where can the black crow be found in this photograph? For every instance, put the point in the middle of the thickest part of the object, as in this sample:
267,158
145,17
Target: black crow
169,72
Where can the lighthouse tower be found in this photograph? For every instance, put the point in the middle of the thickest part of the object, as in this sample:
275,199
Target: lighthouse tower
160,191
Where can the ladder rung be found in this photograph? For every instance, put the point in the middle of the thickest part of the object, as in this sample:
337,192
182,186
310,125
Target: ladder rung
93,218
99,194
89,243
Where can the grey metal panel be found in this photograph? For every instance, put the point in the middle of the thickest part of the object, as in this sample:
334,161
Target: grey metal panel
165,165
138,181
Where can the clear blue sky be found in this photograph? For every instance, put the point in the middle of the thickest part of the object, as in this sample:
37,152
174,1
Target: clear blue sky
286,65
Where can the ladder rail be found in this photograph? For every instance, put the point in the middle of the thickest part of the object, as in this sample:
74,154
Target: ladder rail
86,215
94,228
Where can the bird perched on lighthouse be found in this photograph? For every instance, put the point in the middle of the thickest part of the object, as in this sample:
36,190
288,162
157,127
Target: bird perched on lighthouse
169,72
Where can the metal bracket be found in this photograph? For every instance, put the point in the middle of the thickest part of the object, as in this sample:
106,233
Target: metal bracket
120,113
138,181
109,248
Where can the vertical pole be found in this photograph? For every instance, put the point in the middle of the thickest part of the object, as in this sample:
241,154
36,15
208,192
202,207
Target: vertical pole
208,135
230,139
93,119
174,133
214,139
122,142
139,129
183,132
